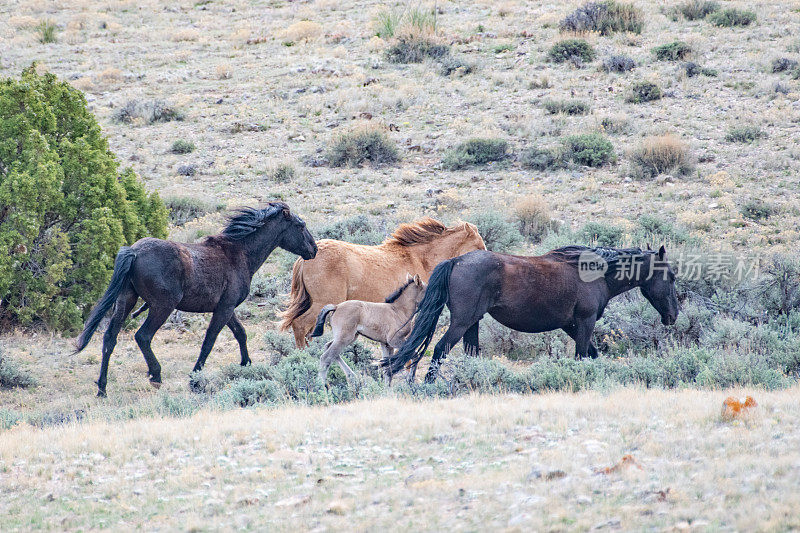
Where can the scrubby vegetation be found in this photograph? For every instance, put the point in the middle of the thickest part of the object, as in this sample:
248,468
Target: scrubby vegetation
358,229
534,217
660,154
757,209
537,158
618,63
590,149
46,31
182,147
577,51
732,17
65,207
12,376
183,209
477,151
283,173
643,91
692,69
605,18
147,112
566,107
698,9
361,146
744,134
415,49
674,51
498,233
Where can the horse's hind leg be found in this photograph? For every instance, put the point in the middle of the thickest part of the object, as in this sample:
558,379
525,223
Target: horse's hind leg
333,352
218,321
122,308
471,346
144,336
241,337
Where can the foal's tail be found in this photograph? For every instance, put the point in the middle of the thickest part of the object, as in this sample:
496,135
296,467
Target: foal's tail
319,329
120,278
427,316
300,299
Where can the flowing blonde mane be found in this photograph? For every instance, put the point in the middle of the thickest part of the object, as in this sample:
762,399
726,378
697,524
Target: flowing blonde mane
421,231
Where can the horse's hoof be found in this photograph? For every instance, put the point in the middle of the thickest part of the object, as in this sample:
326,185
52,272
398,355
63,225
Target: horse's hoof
155,384
101,394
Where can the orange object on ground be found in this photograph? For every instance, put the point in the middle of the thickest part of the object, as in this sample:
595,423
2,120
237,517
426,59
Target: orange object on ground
626,461
733,407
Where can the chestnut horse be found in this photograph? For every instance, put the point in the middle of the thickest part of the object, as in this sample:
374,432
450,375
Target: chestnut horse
344,271
567,288
212,276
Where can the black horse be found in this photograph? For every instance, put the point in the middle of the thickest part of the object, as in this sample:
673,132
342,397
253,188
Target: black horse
212,276
567,288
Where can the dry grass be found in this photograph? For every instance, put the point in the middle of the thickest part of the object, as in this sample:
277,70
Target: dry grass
659,154
524,463
534,216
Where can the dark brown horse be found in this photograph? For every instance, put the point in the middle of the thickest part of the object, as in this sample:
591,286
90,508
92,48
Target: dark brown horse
567,288
212,276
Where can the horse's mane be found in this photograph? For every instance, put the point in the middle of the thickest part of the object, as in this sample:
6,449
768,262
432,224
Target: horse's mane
246,220
396,294
421,231
613,256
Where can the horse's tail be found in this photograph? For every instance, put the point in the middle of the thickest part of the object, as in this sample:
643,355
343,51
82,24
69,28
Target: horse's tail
300,299
436,296
120,278
319,329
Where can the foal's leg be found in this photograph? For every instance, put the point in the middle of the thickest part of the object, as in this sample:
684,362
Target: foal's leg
144,336
218,321
387,352
125,302
471,340
241,337
333,352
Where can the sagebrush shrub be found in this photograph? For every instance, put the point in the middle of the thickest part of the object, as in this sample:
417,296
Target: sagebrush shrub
693,69
744,134
643,91
11,376
363,145
147,112
782,64
571,49
618,63
605,18
732,17
358,229
414,49
283,173
566,107
541,158
674,51
534,217
590,149
183,209
477,151
498,234
660,154
182,147
455,65
757,209
698,9
65,207
601,234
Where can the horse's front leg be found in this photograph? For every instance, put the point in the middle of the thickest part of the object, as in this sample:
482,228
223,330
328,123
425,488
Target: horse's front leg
581,332
241,337
218,321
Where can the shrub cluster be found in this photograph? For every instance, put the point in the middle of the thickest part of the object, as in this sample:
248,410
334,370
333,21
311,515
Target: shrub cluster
146,112
605,17
477,151
744,134
11,376
358,229
359,146
576,50
414,49
698,9
537,158
498,234
692,69
731,17
566,107
618,63
643,91
674,51
590,149
183,209
534,218
182,147
660,154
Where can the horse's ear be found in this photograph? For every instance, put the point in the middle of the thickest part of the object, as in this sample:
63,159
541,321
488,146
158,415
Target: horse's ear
408,277
662,253
416,279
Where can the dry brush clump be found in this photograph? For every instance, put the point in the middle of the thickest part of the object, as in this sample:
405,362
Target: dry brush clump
643,91
363,145
534,217
147,112
604,18
674,51
618,63
476,151
698,9
566,107
576,51
659,155
732,17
